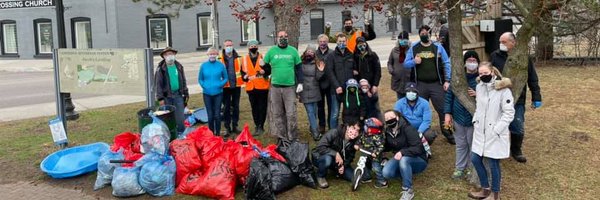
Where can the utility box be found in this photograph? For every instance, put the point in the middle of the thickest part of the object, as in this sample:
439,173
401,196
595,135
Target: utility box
486,25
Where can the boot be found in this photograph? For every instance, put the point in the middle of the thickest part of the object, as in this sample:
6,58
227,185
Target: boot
481,194
315,134
448,134
516,142
493,196
322,129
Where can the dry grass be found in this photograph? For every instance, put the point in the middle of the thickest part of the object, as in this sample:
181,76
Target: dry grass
560,143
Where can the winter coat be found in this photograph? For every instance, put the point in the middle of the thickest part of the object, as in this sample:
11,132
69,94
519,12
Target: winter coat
163,84
400,74
404,138
311,92
494,113
339,68
419,116
453,106
498,60
368,66
332,143
442,60
354,106
324,81
374,143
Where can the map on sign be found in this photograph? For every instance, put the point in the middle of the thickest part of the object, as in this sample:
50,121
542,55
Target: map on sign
102,71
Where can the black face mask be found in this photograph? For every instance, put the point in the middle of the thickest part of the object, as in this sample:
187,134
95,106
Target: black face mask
486,78
283,42
348,28
424,38
391,122
254,50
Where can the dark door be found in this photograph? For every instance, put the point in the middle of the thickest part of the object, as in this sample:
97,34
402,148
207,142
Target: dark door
406,23
317,23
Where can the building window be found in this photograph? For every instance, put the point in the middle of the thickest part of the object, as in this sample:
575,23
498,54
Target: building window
205,30
8,32
81,31
44,41
249,31
159,31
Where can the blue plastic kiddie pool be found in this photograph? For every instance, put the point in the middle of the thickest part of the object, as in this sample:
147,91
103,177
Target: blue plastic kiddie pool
74,161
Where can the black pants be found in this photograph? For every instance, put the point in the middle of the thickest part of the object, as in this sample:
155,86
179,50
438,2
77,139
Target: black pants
231,104
325,96
434,92
258,102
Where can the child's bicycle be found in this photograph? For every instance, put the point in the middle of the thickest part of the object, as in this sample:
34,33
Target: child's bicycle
360,168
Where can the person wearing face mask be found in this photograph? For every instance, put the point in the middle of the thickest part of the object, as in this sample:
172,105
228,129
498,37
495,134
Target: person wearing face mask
430,67
339,67
313,70
335,150
368,67
395,65
257,85
352,33
323,53
212,76
409,153
231,91
517,127
371,100
416,110
285,68
353,102
493,114
458,116
171,85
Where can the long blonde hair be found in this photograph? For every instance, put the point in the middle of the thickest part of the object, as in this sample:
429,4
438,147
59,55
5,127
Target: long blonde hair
489,65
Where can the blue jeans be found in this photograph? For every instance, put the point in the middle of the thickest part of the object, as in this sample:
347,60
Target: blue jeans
177,101
404,168
213,109
482,173
334,111
326,162
377,168
517,126
311,112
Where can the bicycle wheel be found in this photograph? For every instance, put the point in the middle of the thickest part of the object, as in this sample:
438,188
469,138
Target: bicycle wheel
356,179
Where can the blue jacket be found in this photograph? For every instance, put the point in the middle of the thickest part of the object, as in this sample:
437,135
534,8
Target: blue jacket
212,76
418,116
441,56
453,106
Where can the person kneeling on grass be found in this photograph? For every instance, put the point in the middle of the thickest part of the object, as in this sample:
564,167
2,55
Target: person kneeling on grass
410,156
373,141
336,145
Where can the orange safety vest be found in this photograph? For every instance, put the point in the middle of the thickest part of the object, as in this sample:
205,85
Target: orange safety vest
351,42
259,83
238,74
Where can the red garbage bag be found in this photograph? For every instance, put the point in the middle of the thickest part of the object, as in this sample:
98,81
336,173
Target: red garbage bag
218,181
131,156
127,141
200,133
245,138
209,147
272,150
187,158
241,156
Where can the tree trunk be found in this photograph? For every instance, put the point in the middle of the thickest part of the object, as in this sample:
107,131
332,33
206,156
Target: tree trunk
545,37
288,20
518,59
459,80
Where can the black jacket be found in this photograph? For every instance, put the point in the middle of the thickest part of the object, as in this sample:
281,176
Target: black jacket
498,60
163,84
404,138
332,143
324,82
368,66
339,68
354,106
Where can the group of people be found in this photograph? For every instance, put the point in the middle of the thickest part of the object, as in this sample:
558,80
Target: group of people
347,78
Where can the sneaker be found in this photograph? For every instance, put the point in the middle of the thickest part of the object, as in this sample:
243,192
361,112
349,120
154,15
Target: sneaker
458,174
322,182
481,194
381,184
407,194
365,180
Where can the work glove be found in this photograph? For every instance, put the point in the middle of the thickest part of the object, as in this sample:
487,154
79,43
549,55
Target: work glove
299,88
536,104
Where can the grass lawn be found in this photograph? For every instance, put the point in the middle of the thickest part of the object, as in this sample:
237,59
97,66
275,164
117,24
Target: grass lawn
560,144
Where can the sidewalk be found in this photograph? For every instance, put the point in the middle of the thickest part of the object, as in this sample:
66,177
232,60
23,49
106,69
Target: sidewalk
382,46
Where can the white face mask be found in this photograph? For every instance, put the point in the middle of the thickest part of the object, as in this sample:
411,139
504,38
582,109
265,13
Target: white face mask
411,96
365,90
471,66
170,59
503,47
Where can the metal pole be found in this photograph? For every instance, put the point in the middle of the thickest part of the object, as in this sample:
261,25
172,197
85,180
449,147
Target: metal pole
71,114
215,25
60,107
150,98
